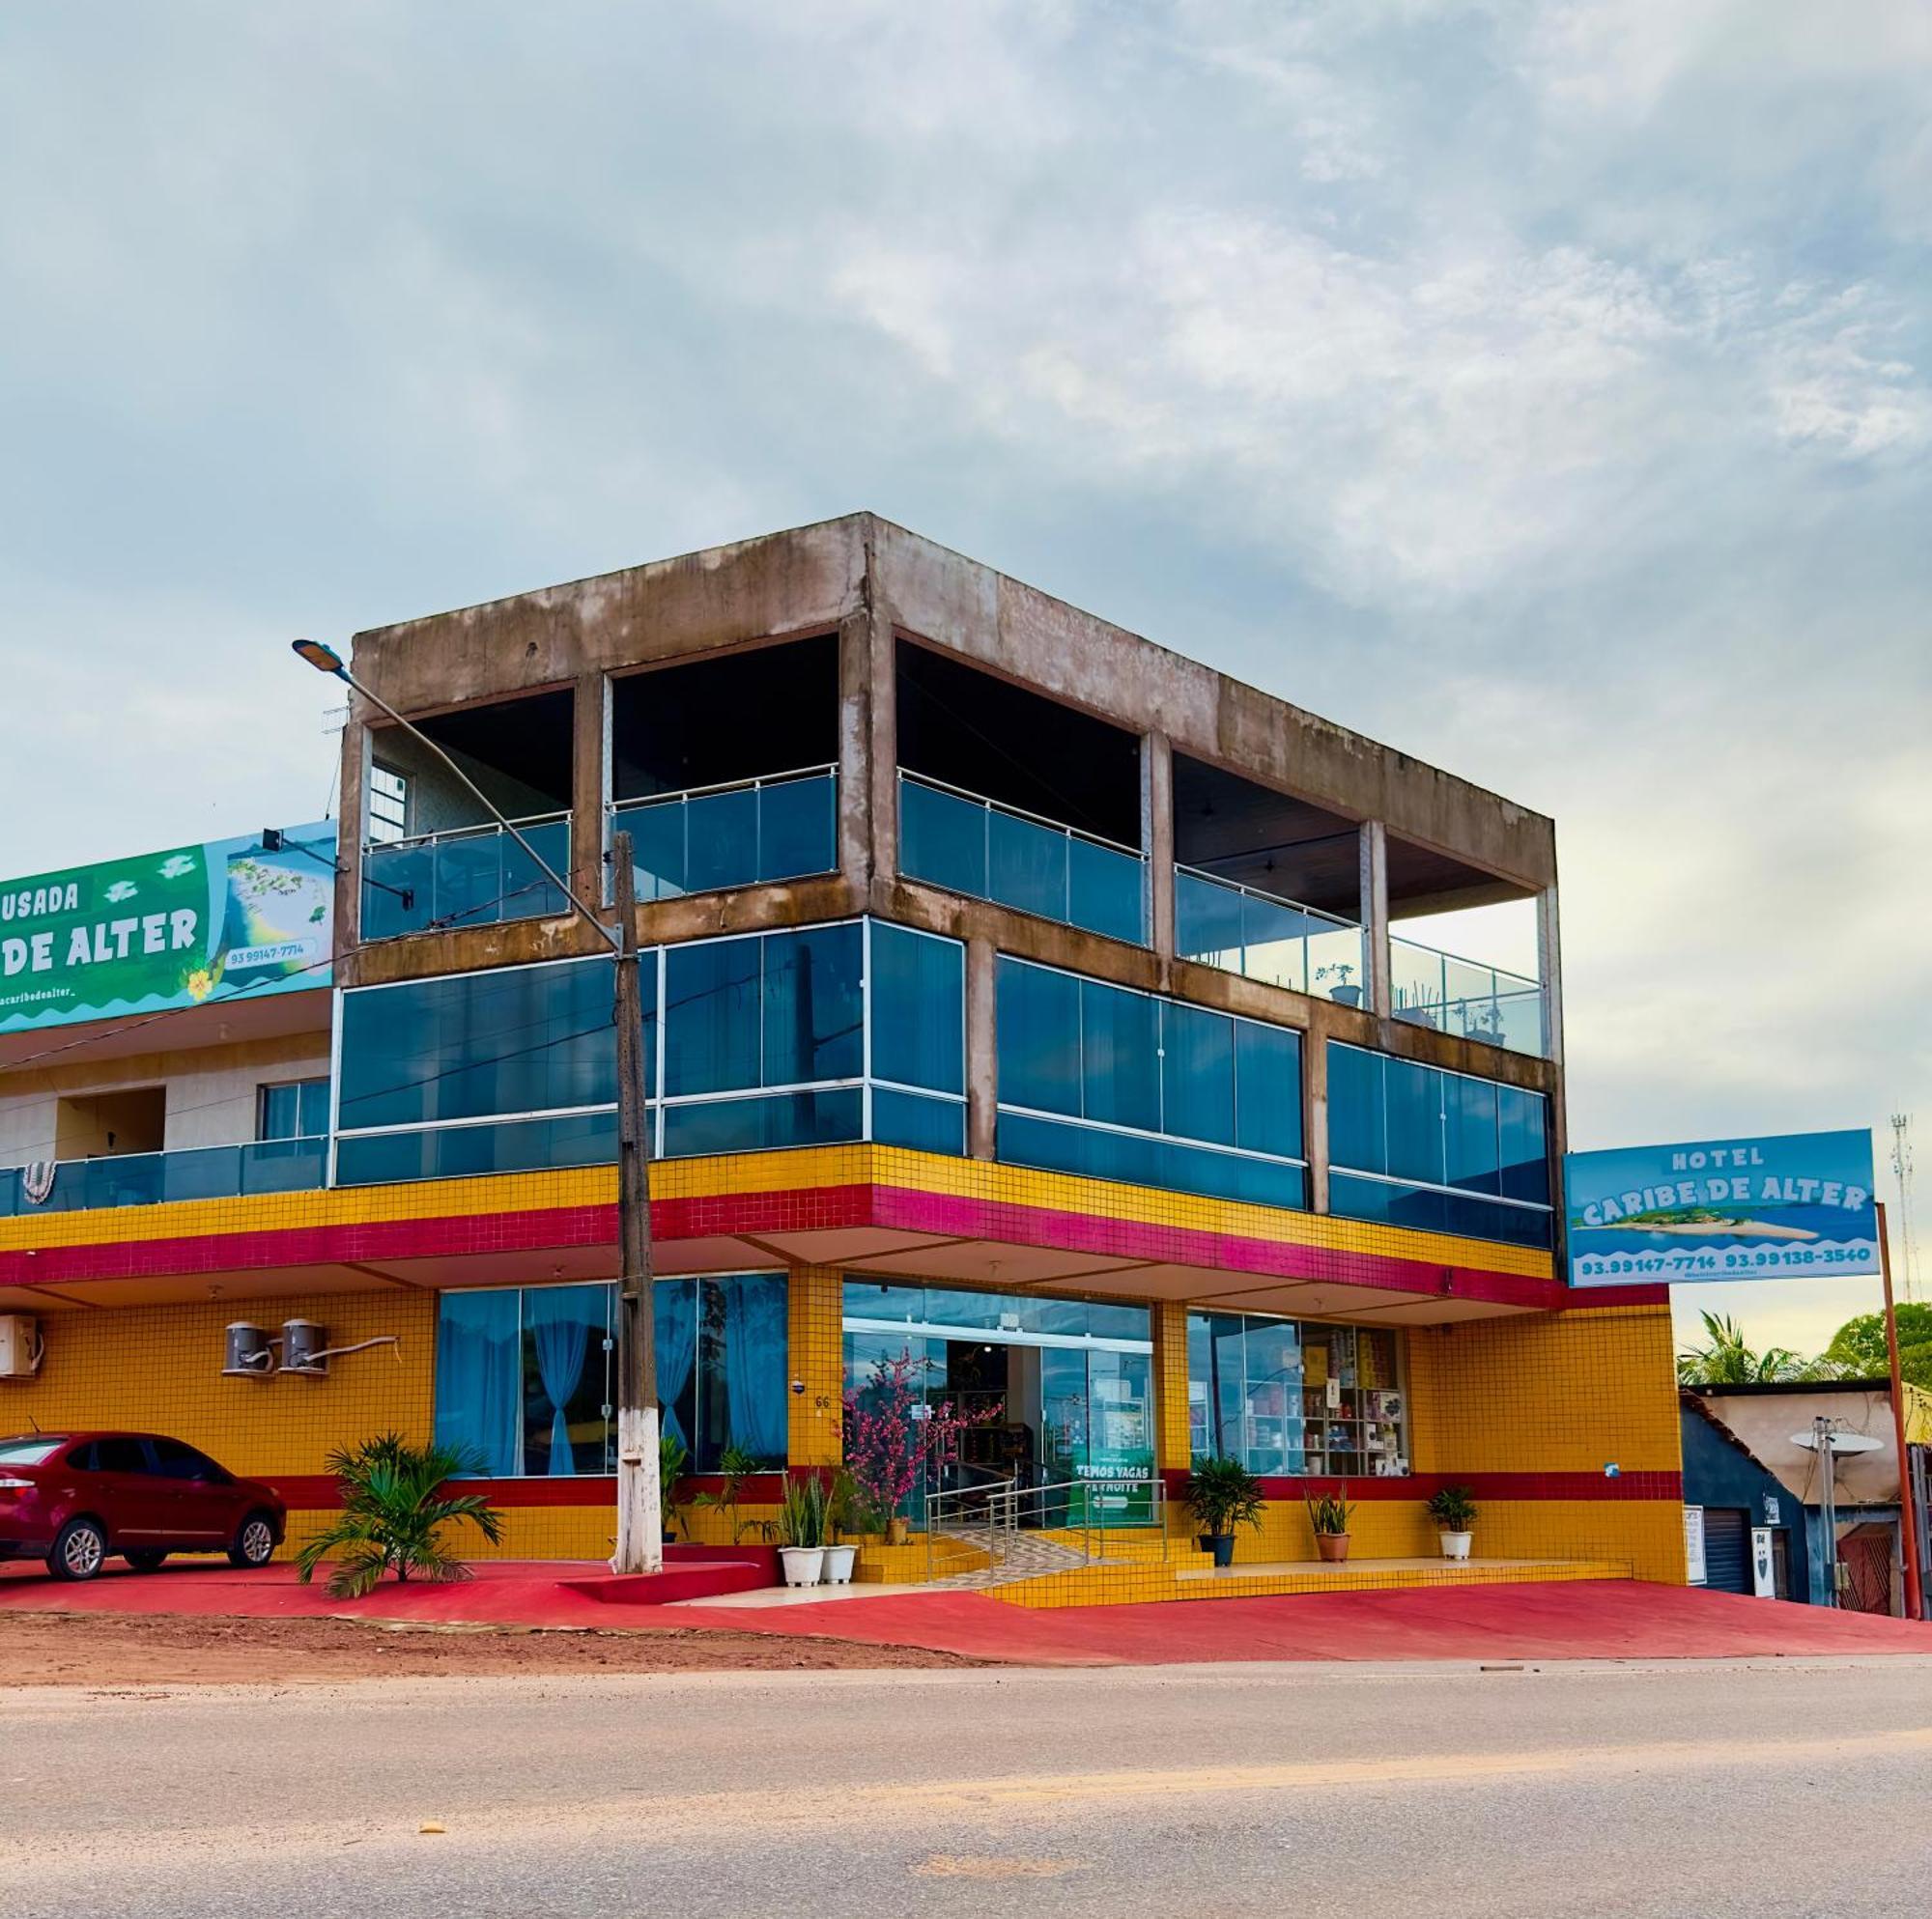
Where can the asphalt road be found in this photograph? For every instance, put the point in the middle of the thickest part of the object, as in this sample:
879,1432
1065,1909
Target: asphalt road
1375,1791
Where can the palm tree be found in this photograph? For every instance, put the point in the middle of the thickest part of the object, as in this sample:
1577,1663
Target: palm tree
392,1516
1727,1361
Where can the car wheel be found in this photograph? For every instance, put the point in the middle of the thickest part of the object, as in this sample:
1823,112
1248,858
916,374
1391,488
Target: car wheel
147,1560
254,1541
78,1550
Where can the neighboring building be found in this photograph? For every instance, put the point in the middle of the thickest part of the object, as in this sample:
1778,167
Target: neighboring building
1017,992
1733,1502
1763,1421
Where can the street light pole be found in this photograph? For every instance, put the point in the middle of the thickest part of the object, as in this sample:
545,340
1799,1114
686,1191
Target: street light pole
1908,1519
639,1543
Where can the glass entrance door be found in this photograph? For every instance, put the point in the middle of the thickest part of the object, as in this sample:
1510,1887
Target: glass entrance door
1059,1390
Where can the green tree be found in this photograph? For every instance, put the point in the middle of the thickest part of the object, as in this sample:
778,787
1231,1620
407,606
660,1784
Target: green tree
1858,1347
1725,1359
393,1513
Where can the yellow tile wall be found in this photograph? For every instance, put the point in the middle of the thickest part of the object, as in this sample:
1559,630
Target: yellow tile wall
816,1329
1174,1442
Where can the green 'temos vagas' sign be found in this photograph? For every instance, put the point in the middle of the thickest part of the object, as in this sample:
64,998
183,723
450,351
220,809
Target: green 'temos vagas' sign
175,928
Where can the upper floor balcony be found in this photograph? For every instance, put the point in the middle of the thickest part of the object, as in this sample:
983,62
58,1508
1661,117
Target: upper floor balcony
154,1180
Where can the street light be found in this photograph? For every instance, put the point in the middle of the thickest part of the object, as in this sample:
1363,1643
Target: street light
639,1516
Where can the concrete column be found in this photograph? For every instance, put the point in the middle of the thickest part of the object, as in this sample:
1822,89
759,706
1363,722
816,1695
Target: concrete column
857,717
1314,1111
981,1048
589,787
352,829
1374,838
1157,838
1549,970
881,650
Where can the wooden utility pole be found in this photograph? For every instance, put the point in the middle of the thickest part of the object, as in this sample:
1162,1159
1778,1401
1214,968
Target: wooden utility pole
640,1508
1907,1527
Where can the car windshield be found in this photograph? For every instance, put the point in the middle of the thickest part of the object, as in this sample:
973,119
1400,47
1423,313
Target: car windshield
33,1451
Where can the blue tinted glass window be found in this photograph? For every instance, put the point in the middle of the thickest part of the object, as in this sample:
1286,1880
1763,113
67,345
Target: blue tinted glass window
480,1379
523,1039
1038,1019
1355,1127
1196,1074
912,1119
1524,1146
712,1017
1268,1089
1470,1133
813,1006
763,1122
459,1153
919,1009
1120,1056
1414,1106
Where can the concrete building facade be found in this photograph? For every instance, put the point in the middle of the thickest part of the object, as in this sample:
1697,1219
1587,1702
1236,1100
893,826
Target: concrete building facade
1020,996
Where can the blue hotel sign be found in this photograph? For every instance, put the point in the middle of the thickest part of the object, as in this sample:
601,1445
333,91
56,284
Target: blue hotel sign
1795,1206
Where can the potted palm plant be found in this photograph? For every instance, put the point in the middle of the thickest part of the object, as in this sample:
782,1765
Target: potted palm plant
1328,1518
1222,1494
802,1531
1453,1511
673,1456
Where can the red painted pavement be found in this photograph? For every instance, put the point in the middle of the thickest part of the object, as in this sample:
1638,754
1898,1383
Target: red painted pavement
1588,1619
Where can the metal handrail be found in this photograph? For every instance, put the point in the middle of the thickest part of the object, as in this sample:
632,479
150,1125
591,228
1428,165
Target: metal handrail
750,784
479,829
1012,812
1268,898
997,1514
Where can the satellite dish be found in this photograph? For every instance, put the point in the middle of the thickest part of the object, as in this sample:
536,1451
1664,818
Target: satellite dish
1839,1442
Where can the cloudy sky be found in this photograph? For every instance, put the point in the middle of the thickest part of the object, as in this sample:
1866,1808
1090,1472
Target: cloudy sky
1546,389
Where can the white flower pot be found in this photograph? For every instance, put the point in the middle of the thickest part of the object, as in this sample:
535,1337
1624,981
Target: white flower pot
803,1566
838,1565
1456,1545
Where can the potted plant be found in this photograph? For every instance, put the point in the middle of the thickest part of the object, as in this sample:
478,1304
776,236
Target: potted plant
736,1466
1222,1494
802,1531
673,1456
1342,971
1328,1516
841,1510
883,1449
1453,1511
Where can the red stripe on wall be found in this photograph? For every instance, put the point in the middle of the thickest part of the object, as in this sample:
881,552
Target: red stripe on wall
1483,1485
808,1209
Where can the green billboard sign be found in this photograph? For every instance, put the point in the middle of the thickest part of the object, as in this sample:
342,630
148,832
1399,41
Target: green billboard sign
216,921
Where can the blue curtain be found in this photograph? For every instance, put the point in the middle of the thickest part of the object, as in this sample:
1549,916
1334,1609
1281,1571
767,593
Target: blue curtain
477,1378
754,1364
561,1320
674,1310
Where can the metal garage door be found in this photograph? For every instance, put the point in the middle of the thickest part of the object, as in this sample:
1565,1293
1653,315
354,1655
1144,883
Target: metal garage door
1728,1549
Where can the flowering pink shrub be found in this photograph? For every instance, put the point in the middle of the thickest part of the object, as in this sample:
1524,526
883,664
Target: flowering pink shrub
887,1447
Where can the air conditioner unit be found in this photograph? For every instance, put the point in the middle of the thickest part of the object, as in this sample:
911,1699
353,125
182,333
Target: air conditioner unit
20,1345
249,1353
305,1349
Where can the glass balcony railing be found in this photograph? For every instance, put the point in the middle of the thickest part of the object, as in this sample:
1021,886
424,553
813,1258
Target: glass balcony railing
957,841
747,833
471,876
1431,989
1217,924
153,1180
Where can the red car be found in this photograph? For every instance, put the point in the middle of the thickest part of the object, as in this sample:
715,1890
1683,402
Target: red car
71,1499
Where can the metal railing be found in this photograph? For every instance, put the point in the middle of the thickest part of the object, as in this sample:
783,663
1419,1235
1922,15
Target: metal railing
993,1517
970,844
468,876
1261,936
154,1180
1428,988
741,833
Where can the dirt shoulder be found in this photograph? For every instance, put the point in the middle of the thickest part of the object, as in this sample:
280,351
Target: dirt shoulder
117,1650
